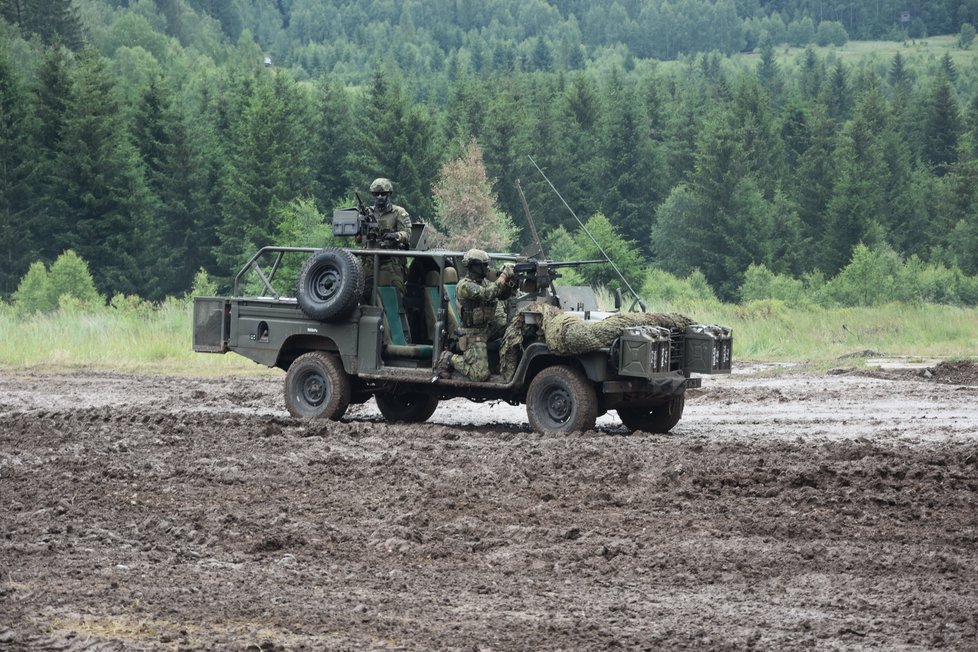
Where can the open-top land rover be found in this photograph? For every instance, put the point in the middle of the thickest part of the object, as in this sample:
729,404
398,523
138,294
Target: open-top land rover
339,347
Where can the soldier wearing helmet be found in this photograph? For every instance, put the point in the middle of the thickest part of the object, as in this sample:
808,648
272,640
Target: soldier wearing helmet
394,232
482,316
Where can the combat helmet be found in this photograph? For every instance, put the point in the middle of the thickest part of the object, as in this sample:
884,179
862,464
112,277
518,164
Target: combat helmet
381,185
475,256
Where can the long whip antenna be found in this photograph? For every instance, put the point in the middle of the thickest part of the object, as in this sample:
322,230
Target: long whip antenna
584,228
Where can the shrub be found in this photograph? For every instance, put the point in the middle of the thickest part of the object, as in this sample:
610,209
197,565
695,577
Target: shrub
831,32
761,283
32,292
871,278
203,285
967,36
801,32
42,290
69,276
662,287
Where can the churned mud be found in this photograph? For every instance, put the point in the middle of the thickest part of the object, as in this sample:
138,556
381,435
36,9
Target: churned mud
787,511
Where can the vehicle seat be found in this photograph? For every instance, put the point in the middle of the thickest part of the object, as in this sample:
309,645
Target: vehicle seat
432,302
450,281
397,331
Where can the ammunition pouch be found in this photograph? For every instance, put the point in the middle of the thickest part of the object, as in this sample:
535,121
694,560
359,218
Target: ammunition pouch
468,337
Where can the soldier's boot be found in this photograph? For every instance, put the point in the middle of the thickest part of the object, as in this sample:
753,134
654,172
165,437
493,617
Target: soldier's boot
443,368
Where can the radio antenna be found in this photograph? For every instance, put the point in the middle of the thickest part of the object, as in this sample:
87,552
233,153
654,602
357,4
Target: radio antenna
584,228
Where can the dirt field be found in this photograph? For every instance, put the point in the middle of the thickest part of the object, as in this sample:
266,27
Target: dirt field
824,512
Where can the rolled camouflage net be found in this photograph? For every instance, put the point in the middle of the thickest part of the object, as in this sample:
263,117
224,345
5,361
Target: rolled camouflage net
567,334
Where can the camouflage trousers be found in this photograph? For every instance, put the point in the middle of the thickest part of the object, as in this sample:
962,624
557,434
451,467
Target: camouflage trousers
474,361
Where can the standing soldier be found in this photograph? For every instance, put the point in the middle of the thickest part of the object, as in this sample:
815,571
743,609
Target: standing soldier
394,232
481,314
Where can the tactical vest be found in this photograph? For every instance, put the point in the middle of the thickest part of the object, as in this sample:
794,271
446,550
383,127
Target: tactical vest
476,313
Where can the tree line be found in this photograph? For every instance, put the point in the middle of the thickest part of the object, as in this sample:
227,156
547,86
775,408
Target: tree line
154,159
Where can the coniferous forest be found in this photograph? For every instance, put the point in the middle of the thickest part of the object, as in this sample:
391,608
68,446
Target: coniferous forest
155,138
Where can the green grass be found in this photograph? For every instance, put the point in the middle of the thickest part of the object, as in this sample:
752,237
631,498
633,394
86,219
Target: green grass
147,340
770,330
158,340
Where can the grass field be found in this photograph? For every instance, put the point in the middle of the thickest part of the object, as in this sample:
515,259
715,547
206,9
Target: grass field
158,340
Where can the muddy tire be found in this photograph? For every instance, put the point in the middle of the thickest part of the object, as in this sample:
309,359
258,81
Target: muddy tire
659,419
316,387
330,284
561,400
409,407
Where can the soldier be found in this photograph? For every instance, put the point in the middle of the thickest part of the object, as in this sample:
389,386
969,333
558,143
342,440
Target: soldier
481,314
394,232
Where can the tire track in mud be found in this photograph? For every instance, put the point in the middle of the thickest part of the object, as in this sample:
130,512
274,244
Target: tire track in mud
192,514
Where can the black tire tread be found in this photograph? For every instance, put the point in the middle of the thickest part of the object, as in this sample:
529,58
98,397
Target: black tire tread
335,405
352,281
585,399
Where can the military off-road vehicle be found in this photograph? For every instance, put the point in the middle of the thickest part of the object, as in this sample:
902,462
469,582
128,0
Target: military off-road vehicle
339,345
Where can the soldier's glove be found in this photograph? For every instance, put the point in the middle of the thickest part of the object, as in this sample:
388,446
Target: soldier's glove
392,237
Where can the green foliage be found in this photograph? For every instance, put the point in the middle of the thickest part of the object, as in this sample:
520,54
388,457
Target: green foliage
466,207
831,32
178,150
69,276
660,287
623,253
203,285
761,283
967,36
32,293
67,283
872,277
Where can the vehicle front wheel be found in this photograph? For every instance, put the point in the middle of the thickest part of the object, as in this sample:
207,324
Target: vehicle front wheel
660,418
409,407
317,387
561,400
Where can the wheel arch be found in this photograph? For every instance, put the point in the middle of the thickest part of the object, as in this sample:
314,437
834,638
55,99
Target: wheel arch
297,345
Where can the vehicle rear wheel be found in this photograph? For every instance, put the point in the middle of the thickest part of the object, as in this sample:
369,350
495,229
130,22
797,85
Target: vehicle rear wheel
330,284
317,387
409,407
561,400
660,418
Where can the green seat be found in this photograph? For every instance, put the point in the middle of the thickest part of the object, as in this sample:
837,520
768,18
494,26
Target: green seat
396,329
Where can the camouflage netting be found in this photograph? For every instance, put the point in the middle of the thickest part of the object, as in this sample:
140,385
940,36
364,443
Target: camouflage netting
568,334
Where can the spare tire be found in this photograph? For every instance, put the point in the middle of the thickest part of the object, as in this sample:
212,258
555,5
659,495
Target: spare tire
330,284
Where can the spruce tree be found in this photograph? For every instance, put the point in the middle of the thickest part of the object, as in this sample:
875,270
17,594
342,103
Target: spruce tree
941,127
107,218
17,164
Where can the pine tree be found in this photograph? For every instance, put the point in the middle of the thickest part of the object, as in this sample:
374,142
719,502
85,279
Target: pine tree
268,169
837,95
54,96
17,247
631,176
55,21
107,202
333,143
163,146
941,128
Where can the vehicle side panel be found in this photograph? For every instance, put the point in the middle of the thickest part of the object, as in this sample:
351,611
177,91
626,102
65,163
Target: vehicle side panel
260,329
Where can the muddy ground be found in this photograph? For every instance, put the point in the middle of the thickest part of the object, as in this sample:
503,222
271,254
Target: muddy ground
798,511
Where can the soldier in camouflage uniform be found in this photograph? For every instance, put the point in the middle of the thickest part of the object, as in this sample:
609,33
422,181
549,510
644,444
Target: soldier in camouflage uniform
482,316
394,233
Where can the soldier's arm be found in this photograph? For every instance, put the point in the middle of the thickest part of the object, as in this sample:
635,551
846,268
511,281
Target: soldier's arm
480,293
403,227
